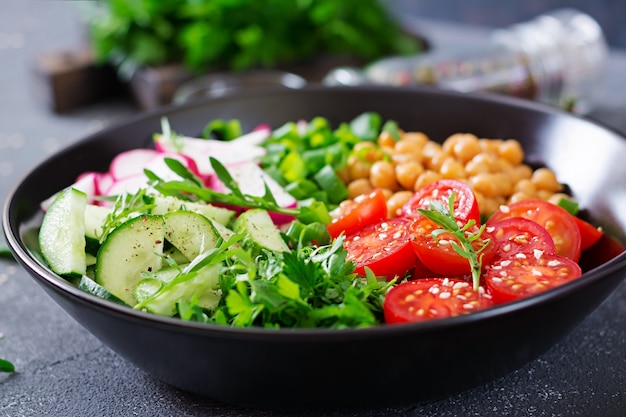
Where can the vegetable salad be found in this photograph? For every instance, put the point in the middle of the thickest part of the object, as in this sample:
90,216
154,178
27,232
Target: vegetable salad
309,226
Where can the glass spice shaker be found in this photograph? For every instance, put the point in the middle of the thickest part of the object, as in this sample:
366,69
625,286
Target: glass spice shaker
555,58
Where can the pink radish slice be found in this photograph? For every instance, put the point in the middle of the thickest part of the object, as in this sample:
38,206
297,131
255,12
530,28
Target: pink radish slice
130,185
158,166
131,163
104,181
226,152
86,182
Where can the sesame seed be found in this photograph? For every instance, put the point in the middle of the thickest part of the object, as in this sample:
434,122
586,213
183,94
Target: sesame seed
538,253
433,290
445,295
520,256
506,262
468,306
506,247
554,262
459,285
536,272
504,209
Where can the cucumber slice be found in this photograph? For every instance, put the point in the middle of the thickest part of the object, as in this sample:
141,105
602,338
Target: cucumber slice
160,295
260,228
166,204
95,217
190,232
134,247
92,287
62,233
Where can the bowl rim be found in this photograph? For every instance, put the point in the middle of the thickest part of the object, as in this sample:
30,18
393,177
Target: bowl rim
45,276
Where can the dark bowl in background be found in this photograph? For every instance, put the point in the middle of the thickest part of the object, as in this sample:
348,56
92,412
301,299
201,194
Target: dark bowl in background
354,369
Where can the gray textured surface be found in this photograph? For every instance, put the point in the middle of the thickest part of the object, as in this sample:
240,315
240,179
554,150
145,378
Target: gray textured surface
64,371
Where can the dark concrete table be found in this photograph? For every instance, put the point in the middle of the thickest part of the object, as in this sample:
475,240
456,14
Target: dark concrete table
62,370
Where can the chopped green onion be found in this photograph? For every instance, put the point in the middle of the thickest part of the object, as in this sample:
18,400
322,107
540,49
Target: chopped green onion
367,126
328,181
570,206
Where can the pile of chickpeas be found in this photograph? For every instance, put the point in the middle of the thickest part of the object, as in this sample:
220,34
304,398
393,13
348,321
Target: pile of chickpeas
493,168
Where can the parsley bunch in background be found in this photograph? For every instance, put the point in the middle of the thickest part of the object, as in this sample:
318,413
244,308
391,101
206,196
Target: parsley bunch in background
242,34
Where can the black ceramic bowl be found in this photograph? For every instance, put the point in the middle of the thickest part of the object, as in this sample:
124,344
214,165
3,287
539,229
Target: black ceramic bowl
377,367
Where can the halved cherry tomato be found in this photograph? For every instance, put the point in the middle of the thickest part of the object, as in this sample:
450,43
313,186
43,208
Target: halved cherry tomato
465,204
589,234
353,215
438,254
383,247
515,235
432,298
526,274
556,220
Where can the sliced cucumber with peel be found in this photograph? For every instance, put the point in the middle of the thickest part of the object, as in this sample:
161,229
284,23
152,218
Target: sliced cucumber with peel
190,232
166,204
161,297
260,228
62,234
134,247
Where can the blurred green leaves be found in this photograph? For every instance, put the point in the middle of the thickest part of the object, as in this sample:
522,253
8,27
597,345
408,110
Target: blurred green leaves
242,34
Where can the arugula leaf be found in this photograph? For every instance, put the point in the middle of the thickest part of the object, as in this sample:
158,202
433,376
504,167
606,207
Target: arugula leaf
191,187
6,366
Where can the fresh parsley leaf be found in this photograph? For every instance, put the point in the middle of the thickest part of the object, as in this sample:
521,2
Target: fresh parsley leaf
6,366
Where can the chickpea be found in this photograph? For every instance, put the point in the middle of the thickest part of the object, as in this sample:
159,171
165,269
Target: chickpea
490,145
545,179
396,201
385,139
358,168
409,148
463,146
368,152
407,173
512,151
519,196
383,175
452,168
485,183
359,187
418,137
483,162
426,178
431,151
526,187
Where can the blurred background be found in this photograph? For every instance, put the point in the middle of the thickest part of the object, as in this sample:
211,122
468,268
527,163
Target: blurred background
494,13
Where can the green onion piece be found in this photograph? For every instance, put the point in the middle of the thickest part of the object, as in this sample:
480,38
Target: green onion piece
328,181
569,205
301,189
392,128
292,167
223,129
366,126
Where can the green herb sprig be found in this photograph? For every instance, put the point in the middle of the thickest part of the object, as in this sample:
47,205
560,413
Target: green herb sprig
190,187
444,217
6,366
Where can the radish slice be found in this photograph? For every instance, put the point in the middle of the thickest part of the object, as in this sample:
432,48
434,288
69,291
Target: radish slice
86,182
158,166
244,148
131,163
130,185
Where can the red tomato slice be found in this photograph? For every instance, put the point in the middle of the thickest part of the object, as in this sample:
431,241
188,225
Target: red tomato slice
362,211
383,247
432,298
589,234
439,255
556,220
526,274
515,235
465,204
